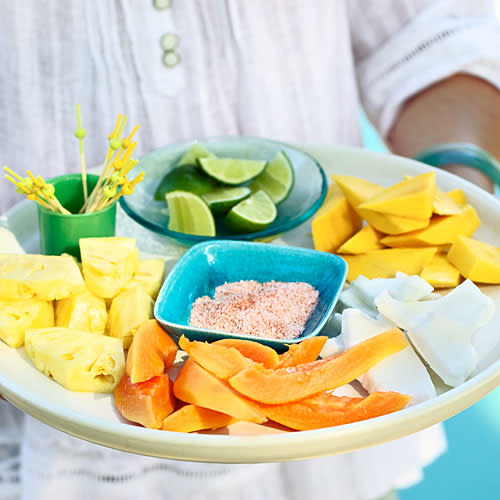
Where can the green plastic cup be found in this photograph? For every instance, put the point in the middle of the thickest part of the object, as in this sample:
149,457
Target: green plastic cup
61,233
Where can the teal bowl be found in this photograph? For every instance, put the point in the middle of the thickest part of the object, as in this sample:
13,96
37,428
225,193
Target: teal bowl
305,198
210,264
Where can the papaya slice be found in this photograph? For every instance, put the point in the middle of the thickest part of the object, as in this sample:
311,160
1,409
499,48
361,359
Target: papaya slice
197,386
147,403
255,351
305,352
221,361
192,418
326,410
285,385
151,353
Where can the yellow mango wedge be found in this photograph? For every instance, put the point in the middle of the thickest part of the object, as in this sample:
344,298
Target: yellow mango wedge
442,230
365,240
335,222
108,264
411,198
440,273
476,260
44,277
386,263
83,311
358,190
458,196
17,316
444,204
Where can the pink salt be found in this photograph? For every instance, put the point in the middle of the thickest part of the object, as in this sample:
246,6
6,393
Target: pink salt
274,309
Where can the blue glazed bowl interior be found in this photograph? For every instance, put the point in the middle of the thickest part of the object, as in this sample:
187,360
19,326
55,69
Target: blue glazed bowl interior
210,264
306,197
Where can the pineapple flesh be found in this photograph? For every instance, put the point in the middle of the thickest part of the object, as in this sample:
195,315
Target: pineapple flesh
108,264
43,277
128,311
84,312
16,316
79,361
149,275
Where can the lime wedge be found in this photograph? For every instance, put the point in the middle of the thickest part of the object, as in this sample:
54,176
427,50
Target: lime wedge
277,179
185,178
189,214
231,170
193,153
221,200
253,214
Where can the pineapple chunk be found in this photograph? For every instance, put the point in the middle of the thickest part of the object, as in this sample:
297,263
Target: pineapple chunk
16,316
79,361
108,263
149,275
44,277
84,312
127,313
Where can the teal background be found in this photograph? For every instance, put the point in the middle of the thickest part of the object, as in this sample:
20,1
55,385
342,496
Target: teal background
469,469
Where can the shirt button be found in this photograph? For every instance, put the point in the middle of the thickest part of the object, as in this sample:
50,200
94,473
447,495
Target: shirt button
171,58
169,41
162,4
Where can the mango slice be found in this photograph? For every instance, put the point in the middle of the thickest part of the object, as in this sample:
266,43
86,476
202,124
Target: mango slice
197,386
326,410
108,264
442,230
79,361
192,418
358,191
221,361
147,403
43,277
149,275
17,316
476,260
458,196
285,385
411,198
151,353
335,222
386,263
83,311
128,311
365,240
255,351
444,204
440,273
306,351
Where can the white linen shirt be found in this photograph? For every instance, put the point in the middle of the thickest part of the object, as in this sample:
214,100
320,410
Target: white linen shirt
285,69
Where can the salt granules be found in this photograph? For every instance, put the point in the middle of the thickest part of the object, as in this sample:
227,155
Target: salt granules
275,309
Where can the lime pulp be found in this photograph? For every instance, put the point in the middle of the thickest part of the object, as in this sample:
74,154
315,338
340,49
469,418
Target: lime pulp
231,171
189,214
252,214
222,199
195,152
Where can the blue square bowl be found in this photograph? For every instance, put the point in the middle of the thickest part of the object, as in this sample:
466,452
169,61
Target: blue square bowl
210,264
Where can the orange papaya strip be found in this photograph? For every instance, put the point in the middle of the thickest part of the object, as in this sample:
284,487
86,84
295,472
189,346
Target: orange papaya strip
305,352
284,385
191,418
221,361
197,386
147,403
151,353
255,351
326,410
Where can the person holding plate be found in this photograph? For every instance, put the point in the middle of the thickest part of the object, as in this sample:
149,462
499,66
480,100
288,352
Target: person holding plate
425,71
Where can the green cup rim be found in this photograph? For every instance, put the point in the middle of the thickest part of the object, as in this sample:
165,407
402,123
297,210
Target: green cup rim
66,177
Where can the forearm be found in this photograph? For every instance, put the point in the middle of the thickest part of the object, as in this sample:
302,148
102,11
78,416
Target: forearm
461,108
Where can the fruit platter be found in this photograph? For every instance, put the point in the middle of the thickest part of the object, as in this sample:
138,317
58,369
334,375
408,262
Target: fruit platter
284,403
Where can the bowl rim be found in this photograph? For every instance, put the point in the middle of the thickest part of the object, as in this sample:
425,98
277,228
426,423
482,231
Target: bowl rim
199,248
194,238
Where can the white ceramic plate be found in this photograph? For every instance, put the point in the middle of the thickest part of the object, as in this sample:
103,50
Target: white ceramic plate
92,416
